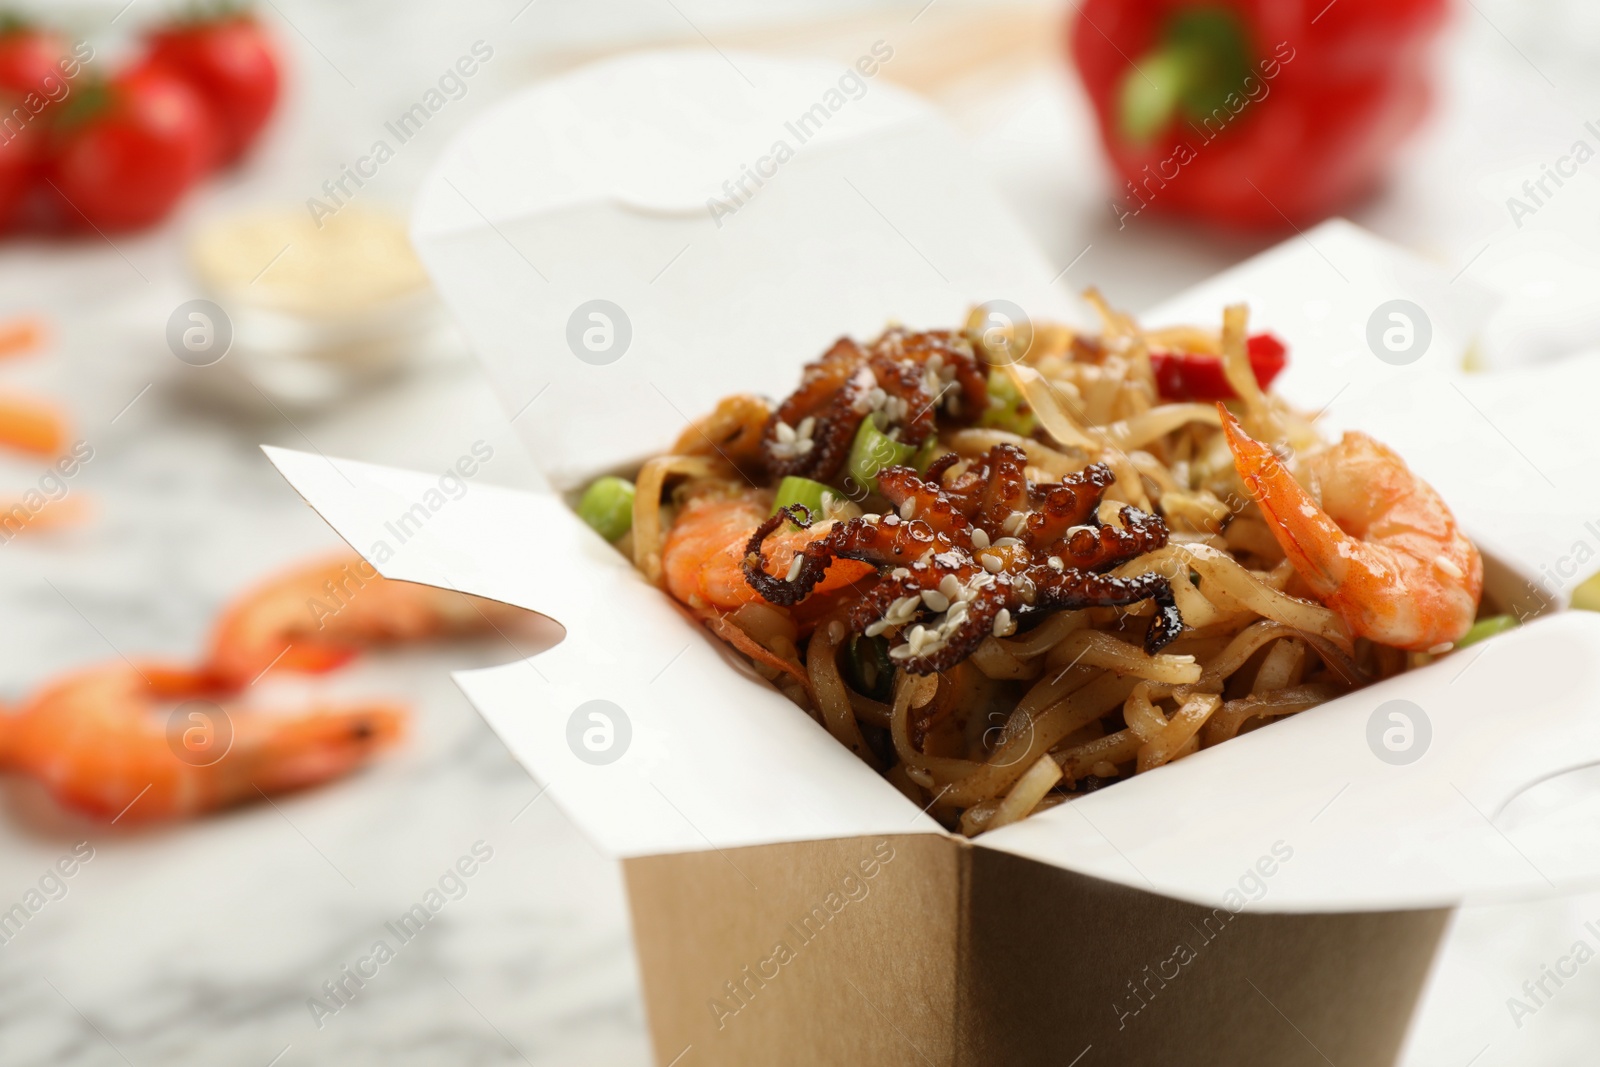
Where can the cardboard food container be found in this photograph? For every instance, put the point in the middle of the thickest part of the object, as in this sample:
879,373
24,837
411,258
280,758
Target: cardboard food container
1273,900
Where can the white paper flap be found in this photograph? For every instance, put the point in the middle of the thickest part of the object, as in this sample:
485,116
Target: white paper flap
839,210
1318,813
689,751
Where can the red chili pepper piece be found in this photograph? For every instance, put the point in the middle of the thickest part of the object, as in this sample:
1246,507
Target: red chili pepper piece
1252,113
1199,375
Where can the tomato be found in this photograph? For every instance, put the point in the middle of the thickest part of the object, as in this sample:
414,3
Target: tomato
126,151
30,61
19,167
234,64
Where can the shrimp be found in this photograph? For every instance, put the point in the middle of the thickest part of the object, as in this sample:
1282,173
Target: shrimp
703,560
316,618
95,742
1382,550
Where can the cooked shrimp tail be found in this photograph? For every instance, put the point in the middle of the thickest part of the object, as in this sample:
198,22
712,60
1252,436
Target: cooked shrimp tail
1314,543
1380,548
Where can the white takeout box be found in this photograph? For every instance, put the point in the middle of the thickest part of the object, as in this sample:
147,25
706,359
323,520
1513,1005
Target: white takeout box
790,906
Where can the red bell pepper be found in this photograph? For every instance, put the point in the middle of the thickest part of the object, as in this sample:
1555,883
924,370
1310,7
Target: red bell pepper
1252,113
1199,375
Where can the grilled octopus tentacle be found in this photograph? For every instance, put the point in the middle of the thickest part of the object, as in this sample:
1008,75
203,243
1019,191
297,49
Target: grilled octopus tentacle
909,379
1098,548
942,594
1081,589
931,505
885,542
1068,503
819,454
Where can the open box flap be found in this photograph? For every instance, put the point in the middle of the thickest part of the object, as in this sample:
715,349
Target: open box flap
692,750
732,289
1304,816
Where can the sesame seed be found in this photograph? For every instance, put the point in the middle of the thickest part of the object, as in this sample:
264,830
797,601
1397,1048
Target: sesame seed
1003,626
980,540
904,609
877,628
950,586
786,433
992,564
871,516
1448,566
1056,564
794,567
899,572
1014,522
1006,542
909,508
935,600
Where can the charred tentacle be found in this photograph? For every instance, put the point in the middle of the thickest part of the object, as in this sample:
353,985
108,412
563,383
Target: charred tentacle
809,435
1082,589
937,468
1071,502
908,380
964,639
929,374
929,503
884,541
1098,548
941,593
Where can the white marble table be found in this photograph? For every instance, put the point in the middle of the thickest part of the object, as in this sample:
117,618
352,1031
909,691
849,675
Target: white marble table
202,943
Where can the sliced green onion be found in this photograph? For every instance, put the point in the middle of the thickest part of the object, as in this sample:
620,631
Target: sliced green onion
607,506
1587,596
1007,410
871,452
1002,388
868,667
803,491
1483,629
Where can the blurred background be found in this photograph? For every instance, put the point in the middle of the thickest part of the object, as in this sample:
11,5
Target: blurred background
159,178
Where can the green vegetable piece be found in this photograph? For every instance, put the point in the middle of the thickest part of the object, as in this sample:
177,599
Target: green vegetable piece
1002,388
868,668
1006,409
607,506
802,491
873,451
1486,628
1587,596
